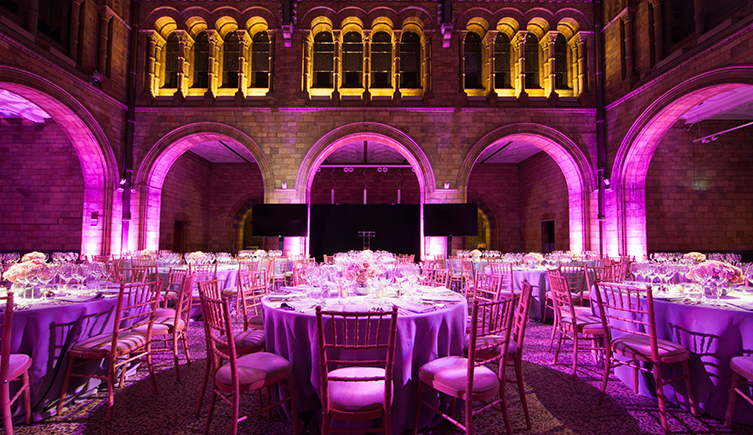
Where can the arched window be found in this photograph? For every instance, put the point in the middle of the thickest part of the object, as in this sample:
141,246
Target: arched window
352,60
201,61
381,60
410,60
473,61
230,52
52,19
502,62
324,60
561,79
260,60
532,62
172,46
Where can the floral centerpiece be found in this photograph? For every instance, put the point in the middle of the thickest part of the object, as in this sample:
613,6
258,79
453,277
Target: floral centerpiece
196,257
260,253
26,270
362,268
533,258
33,256
695,257
475,254
718,271
146,253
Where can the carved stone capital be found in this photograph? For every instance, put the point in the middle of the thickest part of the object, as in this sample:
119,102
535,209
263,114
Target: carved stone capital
155,38
519,39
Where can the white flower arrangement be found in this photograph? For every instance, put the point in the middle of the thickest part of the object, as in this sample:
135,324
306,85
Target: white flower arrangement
33,256
195,257
533,257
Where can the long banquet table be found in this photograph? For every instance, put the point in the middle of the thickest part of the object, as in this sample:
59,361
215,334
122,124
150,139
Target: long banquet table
713,336
46,331
420,338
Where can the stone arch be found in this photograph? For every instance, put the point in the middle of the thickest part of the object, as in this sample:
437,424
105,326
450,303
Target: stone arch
160,158
567,155
98,164
371,131
627,223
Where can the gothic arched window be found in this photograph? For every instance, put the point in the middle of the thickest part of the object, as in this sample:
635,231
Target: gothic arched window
502,64
381,60
172,46
561,79
532,62
410,60
473,79
352,62
230,53
201,61
260,60
324,60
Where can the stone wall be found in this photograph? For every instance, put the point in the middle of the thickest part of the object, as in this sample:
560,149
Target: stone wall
41,188
543,197
381,187
497,187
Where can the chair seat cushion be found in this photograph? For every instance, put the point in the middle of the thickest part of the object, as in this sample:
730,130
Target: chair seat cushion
101,344
254,370
742,365
638,347
163,326
256,322
165,312
247,342
18,364
449,374
356,396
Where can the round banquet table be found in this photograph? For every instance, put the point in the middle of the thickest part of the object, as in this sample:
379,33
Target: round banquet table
45,332
713,336
420,338
540,283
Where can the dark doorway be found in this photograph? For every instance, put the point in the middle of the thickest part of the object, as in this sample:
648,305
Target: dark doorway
547,237
179,236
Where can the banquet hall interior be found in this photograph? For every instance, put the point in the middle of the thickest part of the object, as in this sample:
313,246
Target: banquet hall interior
604,133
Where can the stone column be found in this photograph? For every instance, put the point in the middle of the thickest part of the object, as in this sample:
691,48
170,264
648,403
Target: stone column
307,40
491,38
658,30
184,45
32,16
105,15
396,95
698,17
548,45
271,68
73,37
154,46
580,40
215,43
427,64
366,66
244,42
629,59
336,34
461,49
519,44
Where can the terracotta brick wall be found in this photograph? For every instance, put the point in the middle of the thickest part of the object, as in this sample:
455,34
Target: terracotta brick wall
381,187
41,188
543,197
699,197
234,187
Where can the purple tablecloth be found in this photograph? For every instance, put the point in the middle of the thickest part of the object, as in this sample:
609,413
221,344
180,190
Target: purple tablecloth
46,332
713,336
420,338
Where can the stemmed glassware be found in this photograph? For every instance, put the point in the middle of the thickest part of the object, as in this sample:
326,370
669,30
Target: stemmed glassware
65,271
78,274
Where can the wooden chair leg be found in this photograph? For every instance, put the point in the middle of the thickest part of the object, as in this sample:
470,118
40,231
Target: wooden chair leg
212,399
689,387
419,401
660,395
7,419
66,381
732,397
111,388
27,396
605,380
175,356
521,390
575,354
469,416
204,387
185,346
293,407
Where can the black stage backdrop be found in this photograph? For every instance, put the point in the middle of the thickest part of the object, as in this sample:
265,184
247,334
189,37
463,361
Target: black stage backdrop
334,228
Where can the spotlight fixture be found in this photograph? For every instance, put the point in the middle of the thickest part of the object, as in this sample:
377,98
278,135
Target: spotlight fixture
607,182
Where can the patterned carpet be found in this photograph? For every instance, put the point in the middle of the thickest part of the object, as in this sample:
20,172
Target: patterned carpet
558,405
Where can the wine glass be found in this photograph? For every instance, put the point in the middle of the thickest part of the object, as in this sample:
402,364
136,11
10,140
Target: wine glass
44,276
65,271
77,274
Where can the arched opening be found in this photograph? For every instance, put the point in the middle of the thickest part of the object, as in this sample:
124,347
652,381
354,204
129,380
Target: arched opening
61,141
528,174
387,140
185,179
679,185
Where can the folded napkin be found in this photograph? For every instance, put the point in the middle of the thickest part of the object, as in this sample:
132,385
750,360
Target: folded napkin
352,307
441,297
414,307
80,298
740,304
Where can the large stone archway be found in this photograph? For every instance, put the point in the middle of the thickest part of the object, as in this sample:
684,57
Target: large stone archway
154,168
98,164
373,132
626,226
571,160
